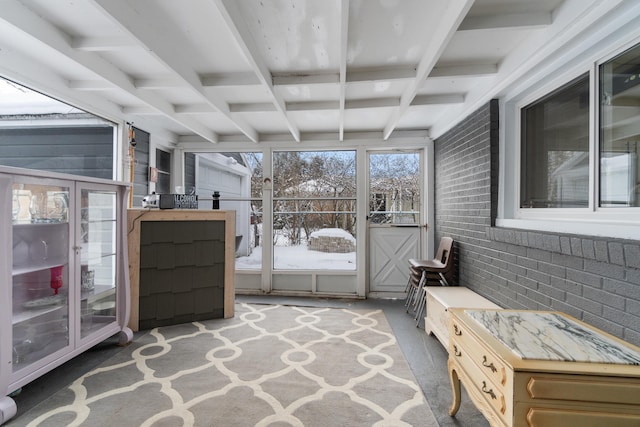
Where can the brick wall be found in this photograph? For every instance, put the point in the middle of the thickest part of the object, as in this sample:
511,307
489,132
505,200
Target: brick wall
593,279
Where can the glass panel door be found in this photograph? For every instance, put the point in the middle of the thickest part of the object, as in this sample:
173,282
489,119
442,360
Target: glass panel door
40,288
394,218
97,240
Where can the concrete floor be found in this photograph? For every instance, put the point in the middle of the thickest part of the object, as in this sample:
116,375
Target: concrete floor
426,356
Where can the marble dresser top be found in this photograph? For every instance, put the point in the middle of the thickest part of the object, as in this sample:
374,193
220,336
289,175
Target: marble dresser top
551,336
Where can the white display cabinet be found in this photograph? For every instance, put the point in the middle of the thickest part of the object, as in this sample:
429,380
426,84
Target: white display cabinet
64,272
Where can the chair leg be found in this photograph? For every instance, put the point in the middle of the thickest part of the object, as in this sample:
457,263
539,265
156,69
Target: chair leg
443,280
418,291
408,287
410,297
407,301
421,305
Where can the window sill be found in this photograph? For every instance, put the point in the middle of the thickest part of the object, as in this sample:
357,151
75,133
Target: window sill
587,227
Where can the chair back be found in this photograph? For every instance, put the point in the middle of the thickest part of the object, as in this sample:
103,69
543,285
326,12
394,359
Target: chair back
445,250
445,256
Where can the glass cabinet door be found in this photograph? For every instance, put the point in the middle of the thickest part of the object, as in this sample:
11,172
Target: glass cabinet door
97,240
40,273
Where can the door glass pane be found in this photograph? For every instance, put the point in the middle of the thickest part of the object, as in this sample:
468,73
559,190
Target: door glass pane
314,205
40,271
620,130
394,188
98,259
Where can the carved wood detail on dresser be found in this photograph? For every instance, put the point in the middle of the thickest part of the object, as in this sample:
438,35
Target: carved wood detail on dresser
542,369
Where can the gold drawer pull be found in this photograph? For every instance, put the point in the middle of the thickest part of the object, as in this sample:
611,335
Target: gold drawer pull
456,351
457,330
490,365
489,392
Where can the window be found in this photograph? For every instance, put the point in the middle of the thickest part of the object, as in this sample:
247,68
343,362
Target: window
620,130
163,163
556,158
555,149
576,162
39,132
314,203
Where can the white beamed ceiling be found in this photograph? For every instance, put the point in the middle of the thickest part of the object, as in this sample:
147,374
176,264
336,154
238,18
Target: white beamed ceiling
255,70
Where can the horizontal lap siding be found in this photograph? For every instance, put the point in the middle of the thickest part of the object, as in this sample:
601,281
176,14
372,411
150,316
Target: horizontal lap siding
85,151
594,279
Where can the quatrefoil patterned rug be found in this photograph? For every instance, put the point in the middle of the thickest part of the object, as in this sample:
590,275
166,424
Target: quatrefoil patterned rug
270,365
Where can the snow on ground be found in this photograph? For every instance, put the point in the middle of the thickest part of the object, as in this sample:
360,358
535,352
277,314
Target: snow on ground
299,257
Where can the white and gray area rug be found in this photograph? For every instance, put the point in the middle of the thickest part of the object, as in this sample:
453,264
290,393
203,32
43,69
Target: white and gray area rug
270,365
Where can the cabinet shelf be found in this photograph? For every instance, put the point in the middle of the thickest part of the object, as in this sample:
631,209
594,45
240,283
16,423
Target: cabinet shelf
29,224
98,293
28,314
95,257
19,271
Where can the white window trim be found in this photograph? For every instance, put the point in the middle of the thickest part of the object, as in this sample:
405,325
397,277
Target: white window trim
594,221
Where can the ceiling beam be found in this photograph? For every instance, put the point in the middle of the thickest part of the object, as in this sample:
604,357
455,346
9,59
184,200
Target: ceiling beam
295,79
372,103
506,21
99,44
230,79
252,107
90,85
344,39
447,25
464,70
165,82
419,100
40,30
164,49
141,111
240,32
313,105
194,109
352,76
451,98
381,73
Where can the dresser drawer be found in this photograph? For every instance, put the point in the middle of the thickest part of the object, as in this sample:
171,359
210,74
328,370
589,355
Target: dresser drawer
494,369
479,384
563,417
593,389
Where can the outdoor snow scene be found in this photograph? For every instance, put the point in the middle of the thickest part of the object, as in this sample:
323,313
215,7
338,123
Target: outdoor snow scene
314,205
301,257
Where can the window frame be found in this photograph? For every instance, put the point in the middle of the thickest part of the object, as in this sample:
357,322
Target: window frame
620,222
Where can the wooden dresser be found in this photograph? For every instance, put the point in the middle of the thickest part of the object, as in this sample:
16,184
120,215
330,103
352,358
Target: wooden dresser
545,369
